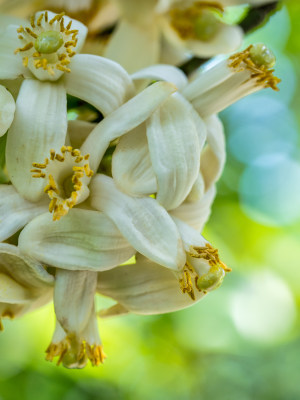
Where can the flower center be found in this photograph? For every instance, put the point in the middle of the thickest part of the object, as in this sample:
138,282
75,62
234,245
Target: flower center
257,59
47,44
200,21
65,174
202,280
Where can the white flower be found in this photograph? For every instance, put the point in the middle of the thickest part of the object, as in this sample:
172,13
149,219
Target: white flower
167,156
81,242
24,283
150,32
46,57
7,110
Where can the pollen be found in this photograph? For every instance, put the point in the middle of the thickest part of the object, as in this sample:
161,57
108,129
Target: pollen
73,353
65,174
47,45
258,60
192,280
199,21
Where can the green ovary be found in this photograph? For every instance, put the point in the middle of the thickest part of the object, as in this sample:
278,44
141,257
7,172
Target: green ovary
206,26
48,42
262,56
211,280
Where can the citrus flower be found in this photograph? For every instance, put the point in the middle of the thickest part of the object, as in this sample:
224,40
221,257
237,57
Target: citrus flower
44,52
153,31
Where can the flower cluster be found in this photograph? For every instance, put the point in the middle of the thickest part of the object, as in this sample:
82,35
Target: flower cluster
114,206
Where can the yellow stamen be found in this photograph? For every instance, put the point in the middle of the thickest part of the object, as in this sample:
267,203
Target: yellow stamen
260,73
27,46
191,281
29,31
64,195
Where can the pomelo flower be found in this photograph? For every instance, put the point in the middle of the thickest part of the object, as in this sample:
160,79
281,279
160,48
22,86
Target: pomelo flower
154,31
174,157
84,241
44,52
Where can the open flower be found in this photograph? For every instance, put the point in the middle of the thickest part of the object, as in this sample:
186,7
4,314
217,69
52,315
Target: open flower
24,283
153,31
81,242
44,51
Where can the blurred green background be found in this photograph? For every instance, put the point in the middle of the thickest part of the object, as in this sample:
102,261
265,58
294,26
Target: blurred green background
241,342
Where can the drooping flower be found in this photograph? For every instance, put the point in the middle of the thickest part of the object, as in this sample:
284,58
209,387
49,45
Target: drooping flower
81,242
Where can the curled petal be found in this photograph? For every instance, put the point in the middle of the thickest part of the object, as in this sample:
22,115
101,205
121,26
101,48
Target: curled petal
174,147
162,72
214,155
25,270
98,81
143,288
74,299
81,240
131,164
40,124
144,223
124,119
16,212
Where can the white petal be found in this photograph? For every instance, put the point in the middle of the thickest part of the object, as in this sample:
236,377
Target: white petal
74,294
40,124
214,155
145,224
78,131
131,165
196,214
26,271
228,39
174,150
162,72
190,237
144,288
10,63
98,81
7,110
124,119
134,46
15,212
197,190
12,292
6,20
81,240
